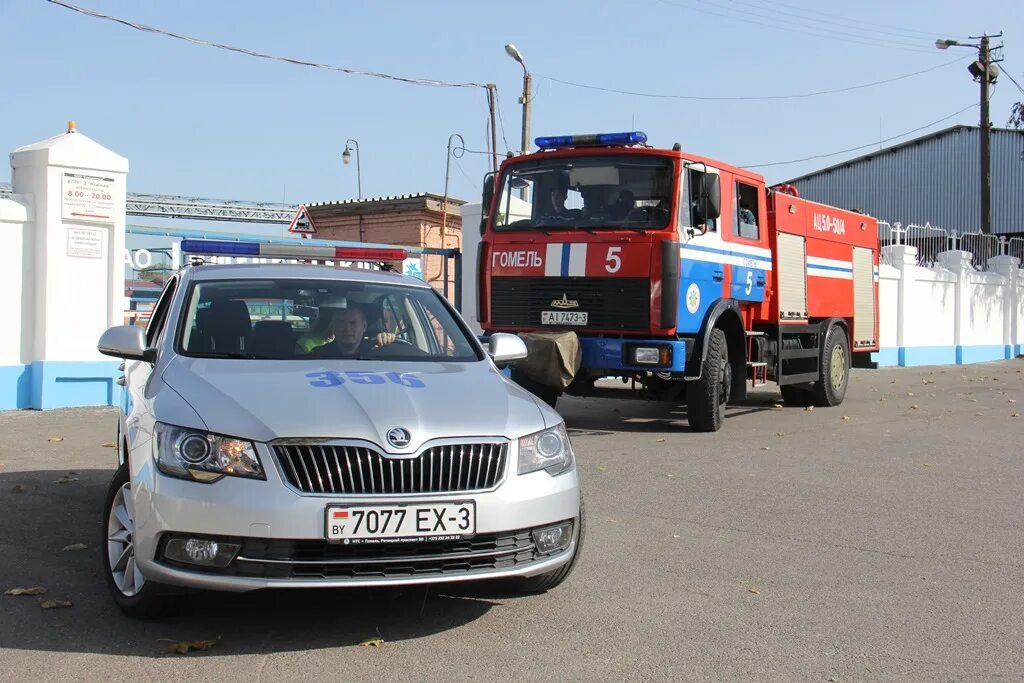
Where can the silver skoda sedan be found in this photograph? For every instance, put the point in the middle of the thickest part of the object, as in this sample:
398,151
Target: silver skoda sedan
310,426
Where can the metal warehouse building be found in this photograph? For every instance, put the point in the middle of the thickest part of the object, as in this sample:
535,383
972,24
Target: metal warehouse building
932,179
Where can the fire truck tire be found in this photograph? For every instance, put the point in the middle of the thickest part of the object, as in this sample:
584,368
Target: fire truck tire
834,372
706,397
547,394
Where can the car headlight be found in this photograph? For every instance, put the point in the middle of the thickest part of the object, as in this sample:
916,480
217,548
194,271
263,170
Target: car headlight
205,457
548,450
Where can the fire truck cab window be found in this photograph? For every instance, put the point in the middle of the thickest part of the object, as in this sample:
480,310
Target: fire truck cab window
698,203
745,225
586,193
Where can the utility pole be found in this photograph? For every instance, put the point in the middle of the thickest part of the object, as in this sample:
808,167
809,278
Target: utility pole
492,105
984,71
984,56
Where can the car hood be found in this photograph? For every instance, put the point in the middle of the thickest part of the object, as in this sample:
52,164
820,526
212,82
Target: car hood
264,400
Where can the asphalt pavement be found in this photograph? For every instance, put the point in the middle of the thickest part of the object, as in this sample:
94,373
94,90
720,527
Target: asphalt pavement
879,540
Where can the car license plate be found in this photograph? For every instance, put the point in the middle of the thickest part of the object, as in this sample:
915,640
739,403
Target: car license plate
400,523
563,317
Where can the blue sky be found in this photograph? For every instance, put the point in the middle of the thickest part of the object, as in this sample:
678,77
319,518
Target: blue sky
199,121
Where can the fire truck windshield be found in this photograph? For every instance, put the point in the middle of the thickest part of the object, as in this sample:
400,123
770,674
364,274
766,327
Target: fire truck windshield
589,193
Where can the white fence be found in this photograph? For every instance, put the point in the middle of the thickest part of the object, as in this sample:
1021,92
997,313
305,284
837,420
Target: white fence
939,304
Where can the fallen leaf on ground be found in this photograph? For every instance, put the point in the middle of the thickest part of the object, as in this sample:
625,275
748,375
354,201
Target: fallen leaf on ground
675,535
670,475
1011,400
928,381
18,488
883,399
109,444
973,400
55,439
66,479
754,591
376,641
778,406
34,590
602,469
765,448
846,417
913,407
76,546
910,393
810,408
1014,414
183,647
661,440
979,414
780,433
55,604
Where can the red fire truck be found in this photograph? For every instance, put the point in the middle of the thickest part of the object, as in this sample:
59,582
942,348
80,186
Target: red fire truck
685,276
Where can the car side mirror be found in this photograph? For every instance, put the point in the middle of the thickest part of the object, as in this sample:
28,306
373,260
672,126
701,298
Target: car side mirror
505,348
126,341
486,201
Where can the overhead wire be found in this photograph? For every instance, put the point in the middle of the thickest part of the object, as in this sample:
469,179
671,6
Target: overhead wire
265,55
707,98
850,24
771,4
789,26
860,147
1012,79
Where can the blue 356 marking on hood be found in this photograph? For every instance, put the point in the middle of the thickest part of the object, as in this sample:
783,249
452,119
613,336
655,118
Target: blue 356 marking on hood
330,378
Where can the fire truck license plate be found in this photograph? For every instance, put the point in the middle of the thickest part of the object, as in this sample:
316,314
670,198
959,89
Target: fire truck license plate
563,317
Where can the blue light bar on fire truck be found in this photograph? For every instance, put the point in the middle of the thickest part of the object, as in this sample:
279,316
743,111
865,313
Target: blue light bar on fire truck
635,137
289,251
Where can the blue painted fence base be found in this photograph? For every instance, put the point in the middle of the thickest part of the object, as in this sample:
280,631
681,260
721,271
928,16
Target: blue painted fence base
43,385
911,356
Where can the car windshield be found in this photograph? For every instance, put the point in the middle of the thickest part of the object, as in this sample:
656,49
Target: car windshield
301,319
586,193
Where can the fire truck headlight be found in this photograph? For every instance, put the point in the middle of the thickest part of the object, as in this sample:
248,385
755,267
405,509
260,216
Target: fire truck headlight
647,355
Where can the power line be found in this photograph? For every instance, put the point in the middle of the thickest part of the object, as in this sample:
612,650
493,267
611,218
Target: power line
836,20
1012,79
859,147
264,55
753,97
810,30
501,120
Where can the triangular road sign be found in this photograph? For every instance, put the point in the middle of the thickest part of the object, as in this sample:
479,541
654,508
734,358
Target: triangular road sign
302,224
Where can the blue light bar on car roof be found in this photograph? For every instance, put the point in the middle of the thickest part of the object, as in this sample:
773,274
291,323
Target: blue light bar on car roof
635,137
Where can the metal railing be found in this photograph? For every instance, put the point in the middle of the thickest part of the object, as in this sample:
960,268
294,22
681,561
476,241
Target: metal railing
1015,247
931,241
982,247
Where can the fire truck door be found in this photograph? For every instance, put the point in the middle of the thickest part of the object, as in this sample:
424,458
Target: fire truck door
749,256
702,270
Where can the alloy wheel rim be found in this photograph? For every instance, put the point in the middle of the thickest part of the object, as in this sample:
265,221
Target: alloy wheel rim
837,368
120,543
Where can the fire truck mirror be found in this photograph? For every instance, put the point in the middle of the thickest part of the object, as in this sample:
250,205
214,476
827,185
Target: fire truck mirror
712,196
486,201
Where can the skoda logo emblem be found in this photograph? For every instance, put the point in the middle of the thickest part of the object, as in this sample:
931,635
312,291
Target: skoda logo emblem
398,437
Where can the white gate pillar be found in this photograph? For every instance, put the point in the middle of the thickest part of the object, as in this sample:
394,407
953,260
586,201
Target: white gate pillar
77,265
1009,267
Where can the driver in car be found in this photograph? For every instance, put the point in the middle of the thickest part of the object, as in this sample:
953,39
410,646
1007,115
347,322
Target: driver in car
349,326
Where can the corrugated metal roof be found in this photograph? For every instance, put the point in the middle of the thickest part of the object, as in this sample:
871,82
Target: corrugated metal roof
932,179
389,198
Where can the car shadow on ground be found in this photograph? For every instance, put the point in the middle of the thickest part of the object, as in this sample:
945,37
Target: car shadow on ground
602,416
41,516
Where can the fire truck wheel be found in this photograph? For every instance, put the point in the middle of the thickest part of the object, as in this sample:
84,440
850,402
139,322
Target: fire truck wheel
544,393
834,372
706,397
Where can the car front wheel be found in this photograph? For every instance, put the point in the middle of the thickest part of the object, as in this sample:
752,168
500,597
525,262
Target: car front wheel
133,593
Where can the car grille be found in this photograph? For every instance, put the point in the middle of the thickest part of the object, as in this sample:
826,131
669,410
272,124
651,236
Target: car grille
311,559
611,303
355,470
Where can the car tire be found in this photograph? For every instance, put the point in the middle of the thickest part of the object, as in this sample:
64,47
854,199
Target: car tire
834,370
706,398
135,595
545,393
552,579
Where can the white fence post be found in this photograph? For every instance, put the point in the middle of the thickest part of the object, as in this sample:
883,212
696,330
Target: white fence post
900,256
1009,267
959,263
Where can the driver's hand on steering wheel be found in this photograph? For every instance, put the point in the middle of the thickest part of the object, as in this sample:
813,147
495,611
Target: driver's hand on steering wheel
385,338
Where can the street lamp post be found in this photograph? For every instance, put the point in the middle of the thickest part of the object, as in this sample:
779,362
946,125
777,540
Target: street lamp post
346,158
524,145
985,72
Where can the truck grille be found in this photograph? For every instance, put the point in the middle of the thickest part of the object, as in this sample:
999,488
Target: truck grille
355,470
611,303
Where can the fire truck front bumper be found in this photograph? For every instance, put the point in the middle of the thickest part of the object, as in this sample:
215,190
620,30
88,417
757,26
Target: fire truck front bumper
653,355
